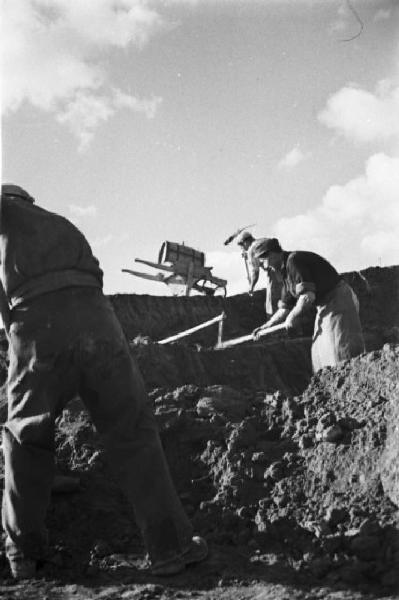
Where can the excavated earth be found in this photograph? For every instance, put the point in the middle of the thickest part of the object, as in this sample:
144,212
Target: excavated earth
292,479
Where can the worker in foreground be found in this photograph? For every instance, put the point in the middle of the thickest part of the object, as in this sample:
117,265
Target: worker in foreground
65,340
310,280
249,246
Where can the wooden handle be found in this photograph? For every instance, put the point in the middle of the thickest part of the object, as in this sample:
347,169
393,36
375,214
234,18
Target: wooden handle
248,338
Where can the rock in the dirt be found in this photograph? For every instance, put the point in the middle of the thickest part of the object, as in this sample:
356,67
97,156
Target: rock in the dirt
242,436
305,441
335,515
275,471
348,423
222,400
319,528
185,395
325,421
259,458
331,434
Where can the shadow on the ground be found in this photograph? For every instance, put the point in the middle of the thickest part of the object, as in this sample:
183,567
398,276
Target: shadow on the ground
225,567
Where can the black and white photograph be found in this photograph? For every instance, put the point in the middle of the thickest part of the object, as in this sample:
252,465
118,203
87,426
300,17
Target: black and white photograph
199,300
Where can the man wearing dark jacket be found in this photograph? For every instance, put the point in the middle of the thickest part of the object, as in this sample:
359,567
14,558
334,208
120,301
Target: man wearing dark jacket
309,279
65,340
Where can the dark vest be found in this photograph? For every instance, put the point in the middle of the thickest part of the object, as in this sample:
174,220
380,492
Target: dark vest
41,252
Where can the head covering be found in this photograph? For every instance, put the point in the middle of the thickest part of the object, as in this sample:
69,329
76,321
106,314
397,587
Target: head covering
9,189
244,235
265,246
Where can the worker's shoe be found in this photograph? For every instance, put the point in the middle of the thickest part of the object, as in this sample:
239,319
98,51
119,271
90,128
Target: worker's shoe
195,552
22,568
171,566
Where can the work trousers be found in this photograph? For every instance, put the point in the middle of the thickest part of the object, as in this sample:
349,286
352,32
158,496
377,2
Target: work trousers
64,344
337,330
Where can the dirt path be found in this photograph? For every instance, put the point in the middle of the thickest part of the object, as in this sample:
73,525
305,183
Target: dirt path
222,577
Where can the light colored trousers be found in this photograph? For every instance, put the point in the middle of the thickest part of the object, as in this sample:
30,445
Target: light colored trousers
337,330
62,344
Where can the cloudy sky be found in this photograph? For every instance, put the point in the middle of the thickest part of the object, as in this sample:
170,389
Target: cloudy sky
183,120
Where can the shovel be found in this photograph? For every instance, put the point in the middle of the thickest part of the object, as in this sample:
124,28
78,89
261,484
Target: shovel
249,338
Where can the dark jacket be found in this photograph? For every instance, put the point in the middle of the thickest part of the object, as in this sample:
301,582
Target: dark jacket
41,252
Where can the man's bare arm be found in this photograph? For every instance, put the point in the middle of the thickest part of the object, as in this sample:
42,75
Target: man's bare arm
304,303
278,317
4,309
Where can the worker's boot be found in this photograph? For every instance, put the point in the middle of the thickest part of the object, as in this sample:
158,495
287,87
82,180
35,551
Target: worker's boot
195,552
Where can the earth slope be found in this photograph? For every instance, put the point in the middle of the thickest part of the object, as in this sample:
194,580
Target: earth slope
293,479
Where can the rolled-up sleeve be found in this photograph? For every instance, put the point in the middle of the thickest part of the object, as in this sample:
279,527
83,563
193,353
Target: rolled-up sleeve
304,286
287,300
299,275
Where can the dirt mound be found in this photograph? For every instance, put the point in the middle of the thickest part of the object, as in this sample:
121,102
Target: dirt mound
308,481
292,479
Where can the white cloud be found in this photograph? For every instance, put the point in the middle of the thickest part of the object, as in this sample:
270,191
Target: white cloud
83,211
364,116
382,14
340,23
356,224
292,158
53,49
52,55
83,114
86,111
146,106
230,266
102,241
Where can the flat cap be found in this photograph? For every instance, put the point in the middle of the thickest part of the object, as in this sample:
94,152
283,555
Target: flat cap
265,246
9,189
244,235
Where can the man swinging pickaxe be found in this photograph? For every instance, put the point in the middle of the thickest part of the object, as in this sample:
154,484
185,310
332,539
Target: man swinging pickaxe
244,240
248,244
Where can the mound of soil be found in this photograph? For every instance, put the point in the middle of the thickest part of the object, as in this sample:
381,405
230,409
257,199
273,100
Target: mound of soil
292,479
308,483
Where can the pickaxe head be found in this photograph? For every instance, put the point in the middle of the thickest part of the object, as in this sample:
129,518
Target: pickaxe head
237,233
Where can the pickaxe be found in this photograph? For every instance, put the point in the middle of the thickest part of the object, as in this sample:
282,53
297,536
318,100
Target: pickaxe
236,233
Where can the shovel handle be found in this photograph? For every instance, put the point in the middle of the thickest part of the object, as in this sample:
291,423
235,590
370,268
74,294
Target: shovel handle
248,338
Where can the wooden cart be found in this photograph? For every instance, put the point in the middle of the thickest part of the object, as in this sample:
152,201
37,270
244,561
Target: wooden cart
185,268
